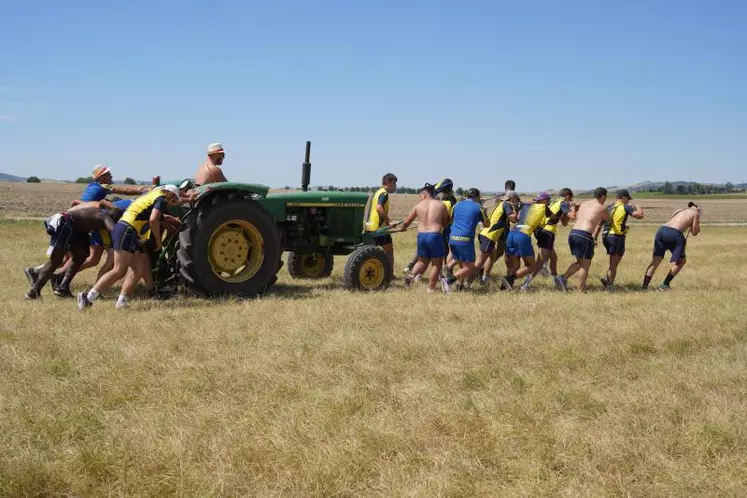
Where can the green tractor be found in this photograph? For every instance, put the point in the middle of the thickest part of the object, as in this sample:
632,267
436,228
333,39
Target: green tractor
234,234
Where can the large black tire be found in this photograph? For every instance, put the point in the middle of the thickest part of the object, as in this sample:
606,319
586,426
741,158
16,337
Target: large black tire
312,266
249,230
368,269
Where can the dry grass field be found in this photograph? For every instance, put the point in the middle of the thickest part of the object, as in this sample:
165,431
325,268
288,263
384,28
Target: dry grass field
316,391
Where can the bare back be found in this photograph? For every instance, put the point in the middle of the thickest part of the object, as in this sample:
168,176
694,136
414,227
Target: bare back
589,214
432,215
88,218
682,220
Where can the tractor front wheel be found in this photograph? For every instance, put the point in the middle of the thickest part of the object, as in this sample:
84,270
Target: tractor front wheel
368,269
315,265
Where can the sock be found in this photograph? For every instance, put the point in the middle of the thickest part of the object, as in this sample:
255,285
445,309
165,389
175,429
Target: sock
646,281
669,278
92,295
527,281
122,300
511,279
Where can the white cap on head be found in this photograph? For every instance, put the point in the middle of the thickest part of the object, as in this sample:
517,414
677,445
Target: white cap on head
172,189
216,148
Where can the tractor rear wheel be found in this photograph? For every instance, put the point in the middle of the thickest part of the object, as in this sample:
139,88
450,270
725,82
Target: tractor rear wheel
368,269
314,265
231,248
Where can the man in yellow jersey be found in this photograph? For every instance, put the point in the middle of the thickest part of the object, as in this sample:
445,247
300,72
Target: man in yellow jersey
130,234
519,243
378,216
614,232
492,237
563,209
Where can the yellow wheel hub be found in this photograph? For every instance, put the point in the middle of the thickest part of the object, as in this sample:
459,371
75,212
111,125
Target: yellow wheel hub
313,264
236,251
371,274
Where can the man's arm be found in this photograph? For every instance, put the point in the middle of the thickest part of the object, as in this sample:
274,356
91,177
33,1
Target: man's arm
108,221
636,212
511,212
380,209
695,228
410,218
571,216
597,229
155,226
128,190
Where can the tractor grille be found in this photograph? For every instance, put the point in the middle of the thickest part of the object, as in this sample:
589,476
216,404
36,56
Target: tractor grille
342,222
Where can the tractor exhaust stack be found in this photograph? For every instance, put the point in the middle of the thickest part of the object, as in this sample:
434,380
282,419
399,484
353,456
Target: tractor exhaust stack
306,169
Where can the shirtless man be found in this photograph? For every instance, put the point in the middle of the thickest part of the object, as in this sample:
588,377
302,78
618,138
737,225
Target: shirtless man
671,237
589,219
209,171
433,217
68,232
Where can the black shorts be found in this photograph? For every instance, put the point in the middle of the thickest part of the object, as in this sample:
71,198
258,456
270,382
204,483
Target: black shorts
64,237
581,243
486,245
615,244
124,237
545,239
383,240
670,239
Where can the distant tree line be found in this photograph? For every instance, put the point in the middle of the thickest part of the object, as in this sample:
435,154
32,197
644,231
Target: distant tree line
33,179
694,188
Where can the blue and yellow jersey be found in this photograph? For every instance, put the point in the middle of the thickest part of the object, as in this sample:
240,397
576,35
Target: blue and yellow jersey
95,191
617,224
138,214
531,218
380,198
557,208
498,221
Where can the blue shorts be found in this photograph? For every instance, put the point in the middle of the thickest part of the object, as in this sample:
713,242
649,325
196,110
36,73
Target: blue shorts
615,244
581,243
96,239
545,239
463,251
519,244
124,238
431,245
670,239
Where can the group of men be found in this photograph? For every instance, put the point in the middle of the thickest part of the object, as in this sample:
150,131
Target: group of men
447,230
129,230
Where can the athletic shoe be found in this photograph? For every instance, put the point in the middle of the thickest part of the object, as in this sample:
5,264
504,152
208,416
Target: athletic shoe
83,301
417,278
560,283
505,284
605,282
431,291
31,275
121,305
484,281
56,279
445,285
32,294
408,269
62,292
664,287
545,272
408,281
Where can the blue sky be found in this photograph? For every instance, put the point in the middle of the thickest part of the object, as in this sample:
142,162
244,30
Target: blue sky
549,93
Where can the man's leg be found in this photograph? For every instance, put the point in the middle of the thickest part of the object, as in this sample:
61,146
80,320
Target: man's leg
418,269
411,265
435,274
467,270
389,250
612,271
583,273
45,272
108,264
122,261
553,263
674,270
79,254
655,262
533,268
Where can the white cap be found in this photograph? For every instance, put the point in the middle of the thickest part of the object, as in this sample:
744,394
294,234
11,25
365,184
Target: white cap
172,189
216,148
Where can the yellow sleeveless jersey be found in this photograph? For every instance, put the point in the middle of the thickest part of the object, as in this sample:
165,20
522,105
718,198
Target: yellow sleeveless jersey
138,214
555,209
498,223
374,220
619,213
532,217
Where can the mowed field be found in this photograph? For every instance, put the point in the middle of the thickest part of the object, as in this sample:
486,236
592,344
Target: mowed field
317,391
